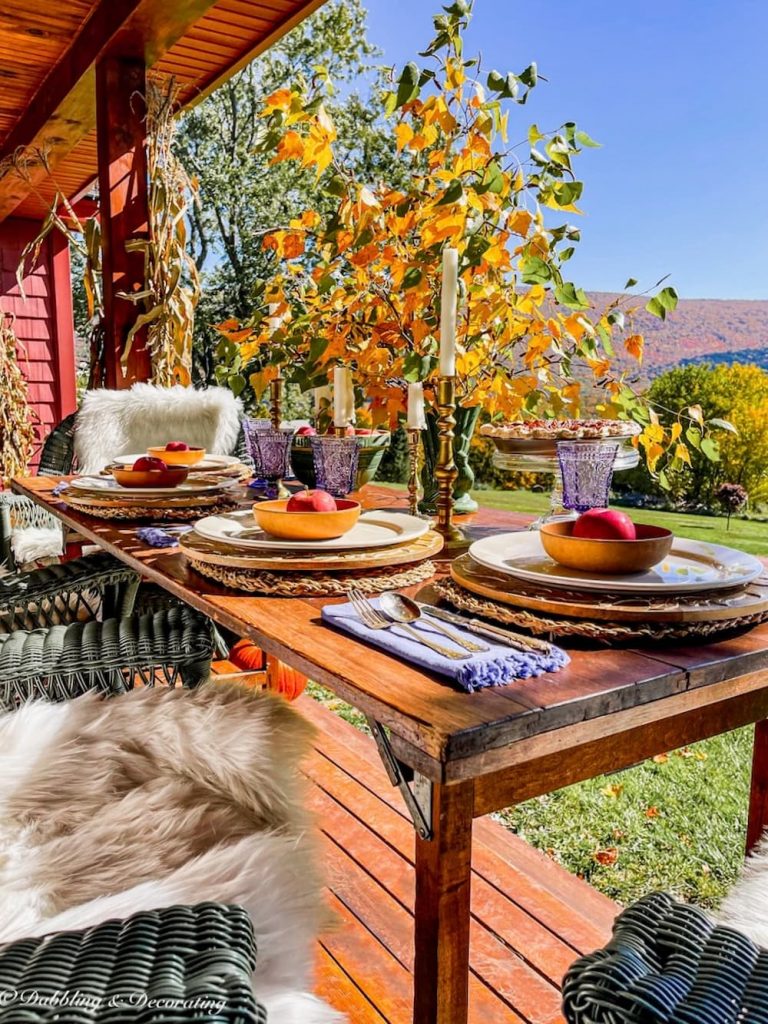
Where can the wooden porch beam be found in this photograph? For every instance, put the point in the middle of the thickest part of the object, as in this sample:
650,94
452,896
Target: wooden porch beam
63,110
124,209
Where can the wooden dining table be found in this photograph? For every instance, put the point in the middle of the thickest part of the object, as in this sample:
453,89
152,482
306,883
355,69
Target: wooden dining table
457,756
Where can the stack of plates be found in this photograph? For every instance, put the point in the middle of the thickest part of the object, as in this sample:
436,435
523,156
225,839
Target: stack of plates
220,465
696,582
383,551
103,496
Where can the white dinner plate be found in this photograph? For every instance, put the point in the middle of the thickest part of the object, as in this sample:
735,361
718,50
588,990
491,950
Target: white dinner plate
108,485
372,530
208,462
690,566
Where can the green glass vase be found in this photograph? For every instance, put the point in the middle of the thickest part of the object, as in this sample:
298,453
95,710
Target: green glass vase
463,502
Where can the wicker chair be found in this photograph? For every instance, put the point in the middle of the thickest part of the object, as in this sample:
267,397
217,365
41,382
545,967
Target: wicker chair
62,662
668,962
187,965
84,588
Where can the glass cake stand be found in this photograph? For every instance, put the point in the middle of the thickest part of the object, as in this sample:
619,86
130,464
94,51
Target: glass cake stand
537,457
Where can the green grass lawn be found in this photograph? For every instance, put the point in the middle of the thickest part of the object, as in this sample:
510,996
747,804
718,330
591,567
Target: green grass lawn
675,823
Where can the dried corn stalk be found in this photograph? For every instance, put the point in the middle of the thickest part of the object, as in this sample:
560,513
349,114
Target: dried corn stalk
17,432
172,283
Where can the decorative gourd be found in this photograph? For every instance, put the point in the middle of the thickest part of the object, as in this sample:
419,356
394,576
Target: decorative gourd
247,656
283,679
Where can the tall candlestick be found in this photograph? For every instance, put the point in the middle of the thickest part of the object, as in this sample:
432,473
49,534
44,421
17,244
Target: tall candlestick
322,397
448,302
274,323
445,470
416,419
343,404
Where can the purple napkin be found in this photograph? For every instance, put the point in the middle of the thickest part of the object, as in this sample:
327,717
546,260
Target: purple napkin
494,667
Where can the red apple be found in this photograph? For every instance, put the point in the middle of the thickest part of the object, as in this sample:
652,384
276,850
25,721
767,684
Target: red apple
311,501
177,446
147,463
364,431
306,431
604,524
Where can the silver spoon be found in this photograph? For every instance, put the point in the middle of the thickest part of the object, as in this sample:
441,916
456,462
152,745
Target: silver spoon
400,608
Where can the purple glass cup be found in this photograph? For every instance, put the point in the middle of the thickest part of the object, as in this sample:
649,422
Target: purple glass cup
271,451
587,471
335,460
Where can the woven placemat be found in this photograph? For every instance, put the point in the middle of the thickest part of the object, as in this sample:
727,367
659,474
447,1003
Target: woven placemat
293,584
604,632
177,513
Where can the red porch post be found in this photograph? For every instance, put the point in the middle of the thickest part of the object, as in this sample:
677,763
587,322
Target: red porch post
123,203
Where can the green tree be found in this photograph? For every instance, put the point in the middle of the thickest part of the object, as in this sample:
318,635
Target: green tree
242,194
736,399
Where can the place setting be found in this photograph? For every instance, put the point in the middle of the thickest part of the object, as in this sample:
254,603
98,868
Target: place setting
318,540
167,482
603,577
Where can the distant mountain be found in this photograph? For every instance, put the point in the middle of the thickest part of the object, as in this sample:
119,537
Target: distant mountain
702,330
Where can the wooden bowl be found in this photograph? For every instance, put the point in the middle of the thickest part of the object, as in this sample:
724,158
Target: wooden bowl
187,458
612,557
274,519
171,477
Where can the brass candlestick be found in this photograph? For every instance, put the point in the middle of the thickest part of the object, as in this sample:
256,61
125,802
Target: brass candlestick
445,470
276,415
414,437
276,401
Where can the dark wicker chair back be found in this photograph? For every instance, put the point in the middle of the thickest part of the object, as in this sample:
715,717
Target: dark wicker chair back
668,962
178,965
58,455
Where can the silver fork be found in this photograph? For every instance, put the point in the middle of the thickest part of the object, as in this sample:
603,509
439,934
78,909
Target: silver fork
371,618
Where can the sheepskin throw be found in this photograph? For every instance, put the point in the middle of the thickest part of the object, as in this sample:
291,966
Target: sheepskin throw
111,423
158,797
746,906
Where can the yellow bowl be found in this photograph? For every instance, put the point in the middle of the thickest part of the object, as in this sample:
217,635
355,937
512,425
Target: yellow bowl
187,458
274,519
171,477
612,557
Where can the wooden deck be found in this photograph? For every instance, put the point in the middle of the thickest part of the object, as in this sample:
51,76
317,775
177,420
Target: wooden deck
530,918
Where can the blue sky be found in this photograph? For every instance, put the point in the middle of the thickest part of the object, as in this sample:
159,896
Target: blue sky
676,92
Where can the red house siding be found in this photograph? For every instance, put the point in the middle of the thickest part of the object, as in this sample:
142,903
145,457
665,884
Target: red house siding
44,323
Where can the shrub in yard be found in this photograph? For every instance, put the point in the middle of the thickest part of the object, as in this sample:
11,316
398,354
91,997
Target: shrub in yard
732,498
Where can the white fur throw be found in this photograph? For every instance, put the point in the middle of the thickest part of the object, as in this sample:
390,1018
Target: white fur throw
111,423
109,807
746,906
31,543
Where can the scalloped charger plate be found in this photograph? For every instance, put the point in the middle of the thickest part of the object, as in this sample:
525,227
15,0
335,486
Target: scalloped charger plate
691,566
372,530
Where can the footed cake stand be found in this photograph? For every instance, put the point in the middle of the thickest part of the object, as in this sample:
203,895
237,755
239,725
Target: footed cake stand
535,456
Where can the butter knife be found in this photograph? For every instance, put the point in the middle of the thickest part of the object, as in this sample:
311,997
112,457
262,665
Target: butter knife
486,629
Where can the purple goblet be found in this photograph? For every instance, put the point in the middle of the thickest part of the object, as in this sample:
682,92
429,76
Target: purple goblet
335,460
587,471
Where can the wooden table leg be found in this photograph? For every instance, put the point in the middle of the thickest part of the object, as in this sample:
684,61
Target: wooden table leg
758,795
443,866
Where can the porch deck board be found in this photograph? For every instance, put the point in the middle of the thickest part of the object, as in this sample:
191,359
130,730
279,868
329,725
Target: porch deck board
530,918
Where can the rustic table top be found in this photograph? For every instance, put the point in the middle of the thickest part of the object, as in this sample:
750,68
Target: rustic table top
435,725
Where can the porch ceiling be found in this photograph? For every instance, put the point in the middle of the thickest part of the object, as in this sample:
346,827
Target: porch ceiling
47,72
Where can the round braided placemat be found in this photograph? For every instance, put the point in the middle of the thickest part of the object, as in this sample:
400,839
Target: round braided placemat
293,584
537,623
179,513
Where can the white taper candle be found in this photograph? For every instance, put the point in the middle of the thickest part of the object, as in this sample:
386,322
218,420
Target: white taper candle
416,420
448,302
343,408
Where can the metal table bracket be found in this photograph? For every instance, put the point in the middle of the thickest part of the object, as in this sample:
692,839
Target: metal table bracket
416,789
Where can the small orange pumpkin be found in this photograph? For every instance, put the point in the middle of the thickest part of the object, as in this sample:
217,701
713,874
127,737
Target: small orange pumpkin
247,656
283,679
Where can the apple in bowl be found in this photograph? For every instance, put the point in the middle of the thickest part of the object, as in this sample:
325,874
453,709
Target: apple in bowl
177,453
606,541
307,515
